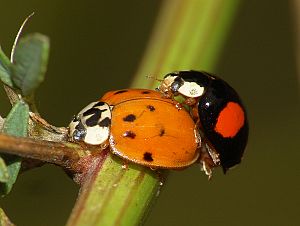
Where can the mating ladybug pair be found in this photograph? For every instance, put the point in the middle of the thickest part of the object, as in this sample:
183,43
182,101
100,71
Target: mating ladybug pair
151,128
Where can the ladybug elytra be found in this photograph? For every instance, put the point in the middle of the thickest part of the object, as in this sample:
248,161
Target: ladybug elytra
141,126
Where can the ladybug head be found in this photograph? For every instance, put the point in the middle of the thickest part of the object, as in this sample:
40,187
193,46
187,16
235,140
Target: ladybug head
180,83
92,124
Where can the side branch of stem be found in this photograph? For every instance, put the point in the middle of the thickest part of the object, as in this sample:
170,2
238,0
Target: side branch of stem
63,154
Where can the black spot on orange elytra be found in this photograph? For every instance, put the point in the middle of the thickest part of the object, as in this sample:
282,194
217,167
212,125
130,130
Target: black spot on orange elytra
120,91
148,157
145,92
162,132
151,108
129,134
129,118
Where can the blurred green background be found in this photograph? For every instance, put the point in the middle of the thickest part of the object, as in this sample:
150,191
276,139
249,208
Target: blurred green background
96,46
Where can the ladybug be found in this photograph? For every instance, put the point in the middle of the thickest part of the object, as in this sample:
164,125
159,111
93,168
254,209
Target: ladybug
218,111
141,126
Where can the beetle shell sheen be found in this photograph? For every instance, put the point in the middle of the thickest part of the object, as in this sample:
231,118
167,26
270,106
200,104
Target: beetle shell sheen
221,115
224,122
150,130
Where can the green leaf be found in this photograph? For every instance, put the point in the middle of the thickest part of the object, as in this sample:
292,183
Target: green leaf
13,167
4,221
30,62
4,176
5,73
16,124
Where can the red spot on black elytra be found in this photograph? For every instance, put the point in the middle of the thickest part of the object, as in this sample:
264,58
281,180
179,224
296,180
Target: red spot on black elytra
230,120
129,134
129,118
148,156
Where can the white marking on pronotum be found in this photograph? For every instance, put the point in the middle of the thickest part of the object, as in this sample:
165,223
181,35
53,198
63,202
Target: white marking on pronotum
94,135
191,89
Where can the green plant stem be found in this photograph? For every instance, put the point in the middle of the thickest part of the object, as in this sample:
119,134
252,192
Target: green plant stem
117,195
188,35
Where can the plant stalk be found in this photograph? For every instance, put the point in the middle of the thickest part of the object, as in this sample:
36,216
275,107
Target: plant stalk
65,155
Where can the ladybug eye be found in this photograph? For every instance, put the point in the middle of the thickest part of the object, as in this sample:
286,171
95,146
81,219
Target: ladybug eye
75,118
178,82
79,132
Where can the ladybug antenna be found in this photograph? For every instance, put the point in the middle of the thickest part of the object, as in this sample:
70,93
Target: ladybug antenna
155,78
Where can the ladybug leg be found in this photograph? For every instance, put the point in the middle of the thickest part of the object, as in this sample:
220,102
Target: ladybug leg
209,159
166,93
179,106
205,159
161,179
125,164
104,145
197,135
207,169
214,155
39,120
190,101
161,175
206,162
207,150
194,114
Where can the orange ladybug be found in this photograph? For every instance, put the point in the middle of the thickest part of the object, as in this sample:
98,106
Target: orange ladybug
141,126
